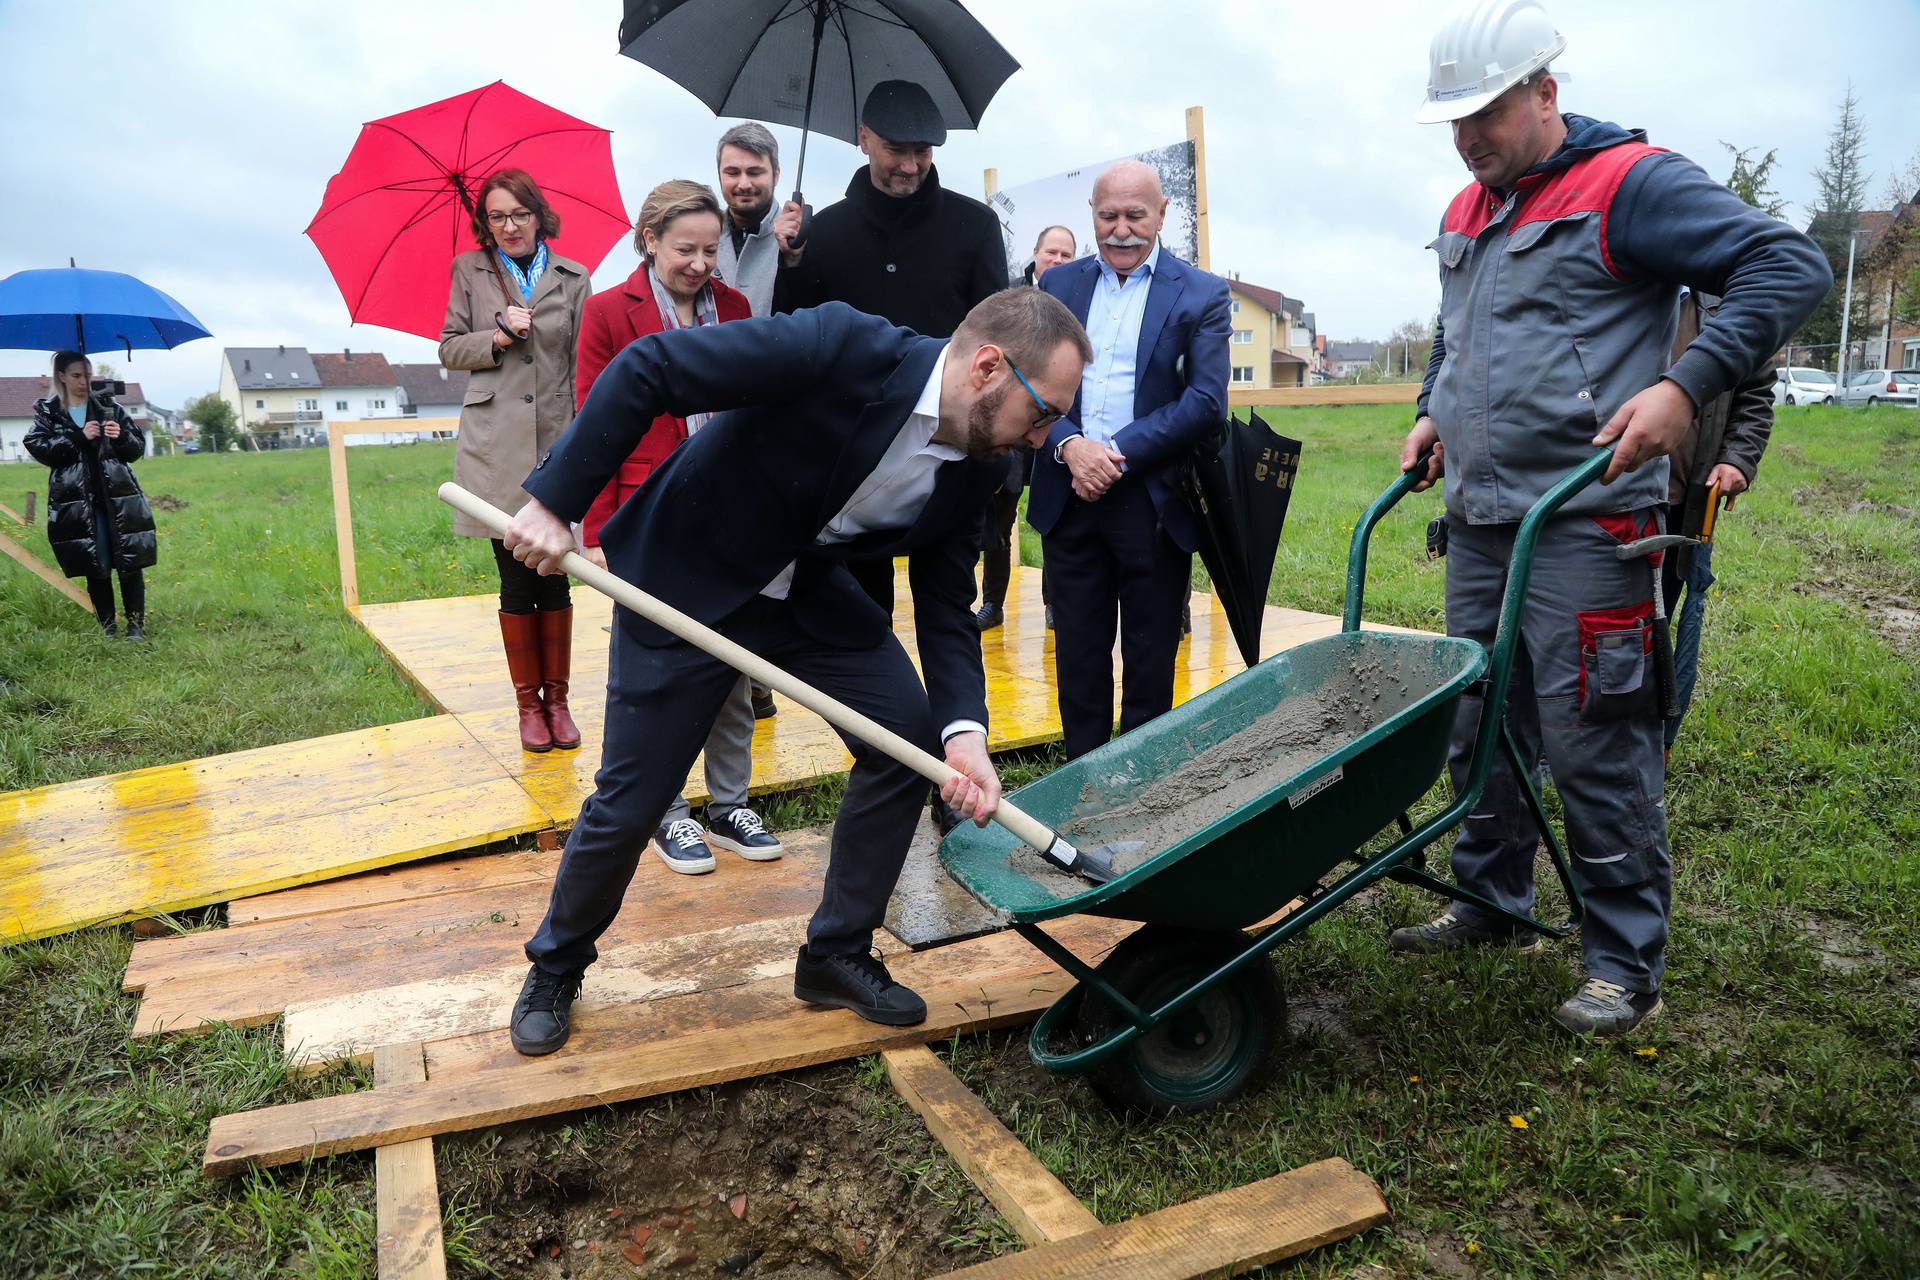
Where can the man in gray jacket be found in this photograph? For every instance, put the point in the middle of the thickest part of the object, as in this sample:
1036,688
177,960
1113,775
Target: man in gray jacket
1560,267
749,162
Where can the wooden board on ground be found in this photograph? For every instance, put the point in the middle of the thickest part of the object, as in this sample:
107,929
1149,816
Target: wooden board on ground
1027,1195
394,884
45,572
406,1186
185,835
1218,1235
253,973
660,1046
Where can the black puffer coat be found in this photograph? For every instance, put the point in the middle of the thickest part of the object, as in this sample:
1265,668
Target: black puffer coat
88,476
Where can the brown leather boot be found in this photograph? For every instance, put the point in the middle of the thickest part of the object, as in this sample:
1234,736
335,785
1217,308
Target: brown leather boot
521,632
556,665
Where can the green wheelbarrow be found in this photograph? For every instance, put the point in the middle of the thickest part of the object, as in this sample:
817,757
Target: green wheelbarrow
1187,1012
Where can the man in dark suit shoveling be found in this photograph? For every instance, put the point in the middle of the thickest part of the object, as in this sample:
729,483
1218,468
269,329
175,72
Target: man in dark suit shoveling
858,439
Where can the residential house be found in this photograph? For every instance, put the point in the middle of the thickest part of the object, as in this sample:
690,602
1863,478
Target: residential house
431,390
1273,341
273,391
1344,359
1889,258
360,385
16,413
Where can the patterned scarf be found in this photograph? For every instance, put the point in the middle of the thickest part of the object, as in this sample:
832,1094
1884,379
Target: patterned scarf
525,280
703,313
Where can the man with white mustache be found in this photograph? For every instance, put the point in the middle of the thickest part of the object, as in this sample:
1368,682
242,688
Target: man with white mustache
1118,543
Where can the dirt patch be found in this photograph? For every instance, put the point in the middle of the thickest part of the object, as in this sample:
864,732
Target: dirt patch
798,1177
1891,613
167,502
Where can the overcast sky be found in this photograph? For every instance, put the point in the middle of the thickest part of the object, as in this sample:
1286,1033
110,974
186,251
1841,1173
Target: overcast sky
188,143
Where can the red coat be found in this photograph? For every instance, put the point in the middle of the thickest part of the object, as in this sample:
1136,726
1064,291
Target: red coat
612,320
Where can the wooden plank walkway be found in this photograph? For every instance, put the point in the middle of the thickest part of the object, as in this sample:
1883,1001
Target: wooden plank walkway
202,831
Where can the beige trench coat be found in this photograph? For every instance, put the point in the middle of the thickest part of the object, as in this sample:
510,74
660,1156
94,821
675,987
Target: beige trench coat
519,399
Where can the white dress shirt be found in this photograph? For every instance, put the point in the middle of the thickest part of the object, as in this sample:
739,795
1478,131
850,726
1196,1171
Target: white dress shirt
1114,316
894,493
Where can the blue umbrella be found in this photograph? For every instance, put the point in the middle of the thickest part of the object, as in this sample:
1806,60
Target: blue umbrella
73,309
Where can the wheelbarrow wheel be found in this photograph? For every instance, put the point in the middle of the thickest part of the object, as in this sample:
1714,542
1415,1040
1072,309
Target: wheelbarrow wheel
1222,1045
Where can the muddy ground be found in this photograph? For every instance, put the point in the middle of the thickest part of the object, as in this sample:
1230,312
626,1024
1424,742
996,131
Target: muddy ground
815,1175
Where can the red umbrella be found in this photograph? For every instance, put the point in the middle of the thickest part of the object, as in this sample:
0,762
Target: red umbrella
398,210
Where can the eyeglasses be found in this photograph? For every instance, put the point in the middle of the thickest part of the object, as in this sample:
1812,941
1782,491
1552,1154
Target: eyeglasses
1048,415
519,218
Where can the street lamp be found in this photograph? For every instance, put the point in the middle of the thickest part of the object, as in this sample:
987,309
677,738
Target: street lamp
1846,310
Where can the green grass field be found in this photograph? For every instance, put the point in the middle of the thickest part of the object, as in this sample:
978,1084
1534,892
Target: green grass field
1768,1127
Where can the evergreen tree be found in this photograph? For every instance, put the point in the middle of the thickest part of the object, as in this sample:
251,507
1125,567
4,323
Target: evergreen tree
1842,176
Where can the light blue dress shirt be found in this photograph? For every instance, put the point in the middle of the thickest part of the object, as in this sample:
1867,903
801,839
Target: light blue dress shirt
1113,325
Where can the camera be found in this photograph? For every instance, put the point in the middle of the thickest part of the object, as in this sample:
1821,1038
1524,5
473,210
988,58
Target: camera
107,388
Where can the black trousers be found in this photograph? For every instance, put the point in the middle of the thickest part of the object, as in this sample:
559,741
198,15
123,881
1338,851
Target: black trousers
1111,563
661,704
133,592
523,589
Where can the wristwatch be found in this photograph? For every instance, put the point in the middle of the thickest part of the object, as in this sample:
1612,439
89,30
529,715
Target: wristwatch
1059,454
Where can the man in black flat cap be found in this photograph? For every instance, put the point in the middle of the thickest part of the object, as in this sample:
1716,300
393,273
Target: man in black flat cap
900,246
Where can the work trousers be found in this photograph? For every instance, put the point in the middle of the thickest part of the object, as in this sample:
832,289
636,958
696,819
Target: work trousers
1583,694
661,705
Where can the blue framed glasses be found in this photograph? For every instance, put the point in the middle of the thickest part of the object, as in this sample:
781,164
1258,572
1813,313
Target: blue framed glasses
1048,414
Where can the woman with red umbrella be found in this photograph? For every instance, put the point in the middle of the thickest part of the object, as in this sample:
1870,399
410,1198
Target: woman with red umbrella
513,313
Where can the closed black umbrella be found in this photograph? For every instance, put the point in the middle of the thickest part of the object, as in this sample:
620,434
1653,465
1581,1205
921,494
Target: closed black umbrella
1238,495
811,63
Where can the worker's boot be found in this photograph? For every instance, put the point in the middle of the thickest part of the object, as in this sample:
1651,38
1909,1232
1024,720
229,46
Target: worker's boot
1451,933
543,1015
521,634
1601,1009
556,665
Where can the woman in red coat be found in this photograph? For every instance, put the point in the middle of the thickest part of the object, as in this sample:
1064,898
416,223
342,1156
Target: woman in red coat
678,236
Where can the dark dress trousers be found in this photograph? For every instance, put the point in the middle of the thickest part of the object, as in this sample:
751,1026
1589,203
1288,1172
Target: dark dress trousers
806,406
1123,562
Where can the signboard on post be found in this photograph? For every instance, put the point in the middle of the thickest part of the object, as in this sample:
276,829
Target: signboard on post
1061,200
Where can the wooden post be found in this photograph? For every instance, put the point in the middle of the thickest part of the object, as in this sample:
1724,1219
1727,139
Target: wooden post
343,517
30,497
990,179
1197,134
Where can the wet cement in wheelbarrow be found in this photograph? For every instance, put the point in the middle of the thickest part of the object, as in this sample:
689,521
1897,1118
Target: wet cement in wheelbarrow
1238,769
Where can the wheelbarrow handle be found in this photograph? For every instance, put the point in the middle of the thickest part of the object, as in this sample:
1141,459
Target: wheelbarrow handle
833,711
1363,534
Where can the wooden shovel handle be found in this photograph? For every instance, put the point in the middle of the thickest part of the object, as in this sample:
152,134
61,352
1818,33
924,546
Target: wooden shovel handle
832,710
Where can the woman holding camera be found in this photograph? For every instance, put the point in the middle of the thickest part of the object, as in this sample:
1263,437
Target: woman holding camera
97,519
513,315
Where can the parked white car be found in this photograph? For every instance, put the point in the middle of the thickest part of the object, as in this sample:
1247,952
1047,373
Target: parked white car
1881,386
1802,386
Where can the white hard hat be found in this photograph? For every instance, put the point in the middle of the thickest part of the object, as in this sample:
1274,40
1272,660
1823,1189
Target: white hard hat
1484,48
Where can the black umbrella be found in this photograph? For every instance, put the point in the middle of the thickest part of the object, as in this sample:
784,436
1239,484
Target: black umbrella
1238,494
811,63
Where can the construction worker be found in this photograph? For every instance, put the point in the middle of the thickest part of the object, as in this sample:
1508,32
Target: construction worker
1560,268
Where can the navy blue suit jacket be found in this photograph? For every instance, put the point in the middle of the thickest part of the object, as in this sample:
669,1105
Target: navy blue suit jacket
806,404
1175,404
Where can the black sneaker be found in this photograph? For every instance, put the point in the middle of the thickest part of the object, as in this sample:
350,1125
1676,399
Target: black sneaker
136,626
681,847
1451,933
860,983
763,708
110,628
988,616
742,831
1049,617
543,1015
